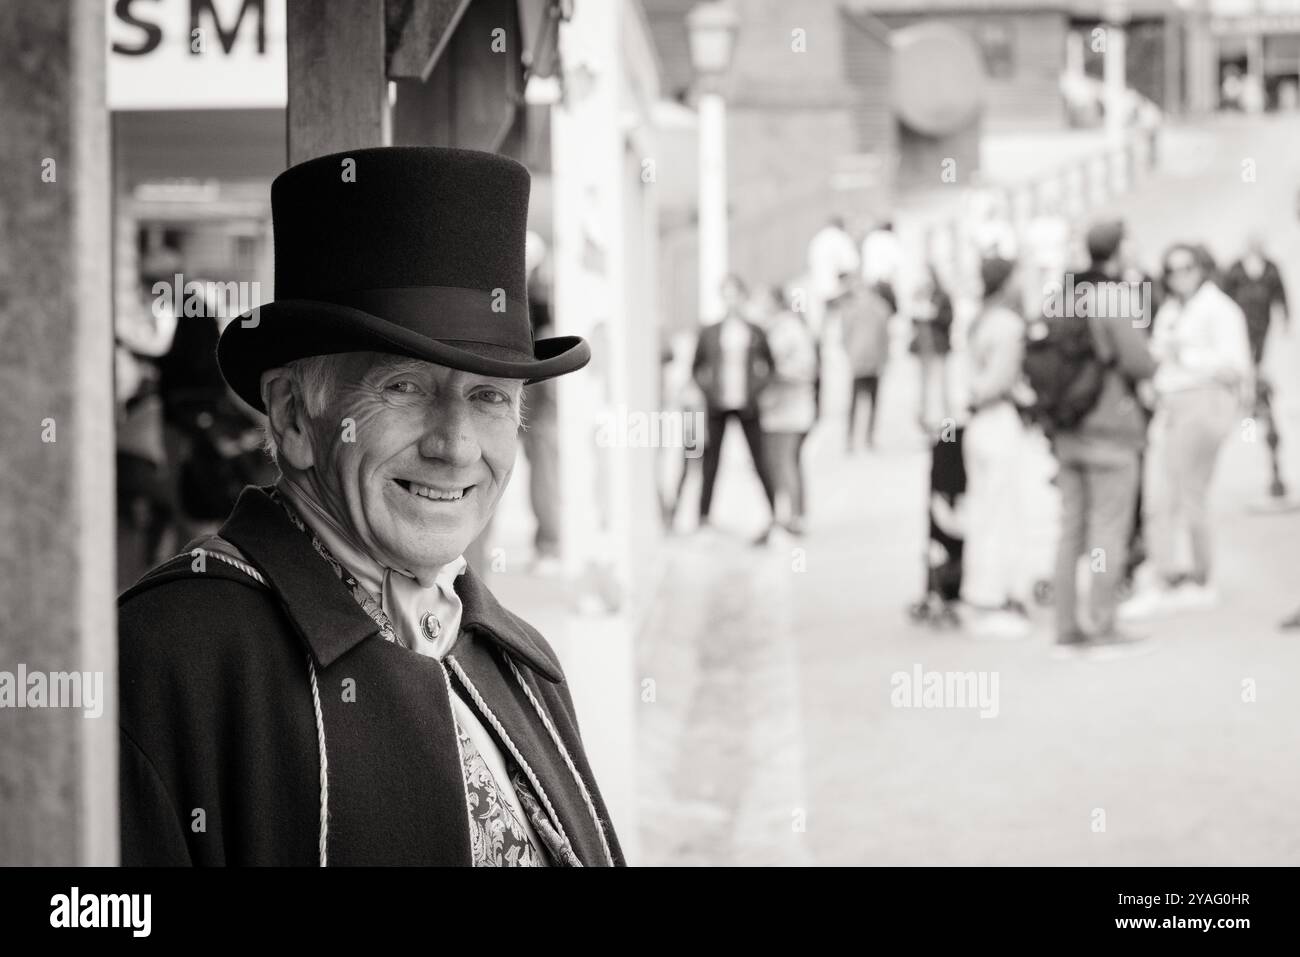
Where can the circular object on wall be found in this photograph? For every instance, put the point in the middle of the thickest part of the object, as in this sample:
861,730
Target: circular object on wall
937,78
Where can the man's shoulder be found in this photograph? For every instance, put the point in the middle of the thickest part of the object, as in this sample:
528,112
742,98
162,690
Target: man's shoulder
192,599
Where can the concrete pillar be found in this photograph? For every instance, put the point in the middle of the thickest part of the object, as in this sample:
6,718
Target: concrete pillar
595,638
58,766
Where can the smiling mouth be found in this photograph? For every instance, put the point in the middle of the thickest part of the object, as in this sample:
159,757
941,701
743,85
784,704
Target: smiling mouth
432,494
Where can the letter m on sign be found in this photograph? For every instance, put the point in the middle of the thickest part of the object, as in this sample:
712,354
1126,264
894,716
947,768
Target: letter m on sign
227,37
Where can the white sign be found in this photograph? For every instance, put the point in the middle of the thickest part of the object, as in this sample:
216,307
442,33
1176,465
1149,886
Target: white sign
196,54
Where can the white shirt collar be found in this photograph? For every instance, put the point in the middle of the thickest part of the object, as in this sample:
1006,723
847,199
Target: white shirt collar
407,604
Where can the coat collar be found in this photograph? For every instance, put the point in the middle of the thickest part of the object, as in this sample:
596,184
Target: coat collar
329,618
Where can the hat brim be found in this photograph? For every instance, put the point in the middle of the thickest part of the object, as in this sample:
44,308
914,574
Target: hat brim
282,331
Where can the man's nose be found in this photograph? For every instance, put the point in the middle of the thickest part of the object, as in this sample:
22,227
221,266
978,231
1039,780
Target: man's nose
449,436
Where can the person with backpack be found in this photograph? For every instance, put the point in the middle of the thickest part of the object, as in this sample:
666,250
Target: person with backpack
1097,440
1203,349
991,558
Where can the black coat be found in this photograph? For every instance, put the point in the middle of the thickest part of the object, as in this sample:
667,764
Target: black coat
220,742
708,361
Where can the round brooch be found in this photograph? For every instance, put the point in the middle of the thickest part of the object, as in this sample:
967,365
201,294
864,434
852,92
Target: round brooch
430,625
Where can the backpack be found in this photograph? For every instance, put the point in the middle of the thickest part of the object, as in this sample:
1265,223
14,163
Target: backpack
1063,369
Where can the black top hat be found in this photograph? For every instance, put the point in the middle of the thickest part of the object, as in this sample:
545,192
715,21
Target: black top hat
411,250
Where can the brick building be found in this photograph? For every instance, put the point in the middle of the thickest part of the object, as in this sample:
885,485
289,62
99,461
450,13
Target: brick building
818,115
810,135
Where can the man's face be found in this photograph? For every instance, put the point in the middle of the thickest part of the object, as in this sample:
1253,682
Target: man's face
414,456
1183,273
733,297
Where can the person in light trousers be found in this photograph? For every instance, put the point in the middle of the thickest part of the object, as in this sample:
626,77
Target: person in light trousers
993,452
1202,346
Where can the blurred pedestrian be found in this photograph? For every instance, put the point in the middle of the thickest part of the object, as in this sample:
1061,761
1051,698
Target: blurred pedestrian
146,494
1145,296
786,405
831,253
864,315
1047,248
540,432
990,229
882,256
214,444
681,397
1099,456
1255,284
1203,350
731,366
932,343
992,582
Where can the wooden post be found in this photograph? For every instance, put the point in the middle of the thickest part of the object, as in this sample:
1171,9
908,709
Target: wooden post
338,90
58,766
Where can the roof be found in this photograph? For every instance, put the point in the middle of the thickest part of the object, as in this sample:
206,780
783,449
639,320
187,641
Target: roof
667,21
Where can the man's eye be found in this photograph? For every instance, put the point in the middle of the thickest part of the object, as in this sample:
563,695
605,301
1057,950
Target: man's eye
403,387
492,396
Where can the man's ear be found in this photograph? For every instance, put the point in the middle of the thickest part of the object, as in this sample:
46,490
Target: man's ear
286,417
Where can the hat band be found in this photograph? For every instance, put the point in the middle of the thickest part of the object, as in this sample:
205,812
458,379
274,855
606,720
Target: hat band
447,312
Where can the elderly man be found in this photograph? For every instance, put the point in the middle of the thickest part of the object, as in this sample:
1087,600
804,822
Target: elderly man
325,681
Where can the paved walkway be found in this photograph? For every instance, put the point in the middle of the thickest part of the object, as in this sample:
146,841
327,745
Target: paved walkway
772,739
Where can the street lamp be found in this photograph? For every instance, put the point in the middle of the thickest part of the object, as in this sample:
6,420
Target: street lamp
712,27
1114,78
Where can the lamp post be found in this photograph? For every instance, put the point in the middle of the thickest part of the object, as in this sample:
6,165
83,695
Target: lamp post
1114,78
712,29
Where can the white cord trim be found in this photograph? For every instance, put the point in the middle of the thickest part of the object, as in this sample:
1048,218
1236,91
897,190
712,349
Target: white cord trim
564,753
244,567
323,842
510,745
324,766
460,751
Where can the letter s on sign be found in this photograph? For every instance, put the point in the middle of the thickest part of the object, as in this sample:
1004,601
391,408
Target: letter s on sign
152,32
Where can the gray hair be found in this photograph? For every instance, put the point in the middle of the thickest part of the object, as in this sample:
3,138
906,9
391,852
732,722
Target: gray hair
314,380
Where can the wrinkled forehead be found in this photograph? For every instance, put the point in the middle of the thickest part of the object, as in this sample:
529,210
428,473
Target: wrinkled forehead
372,365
